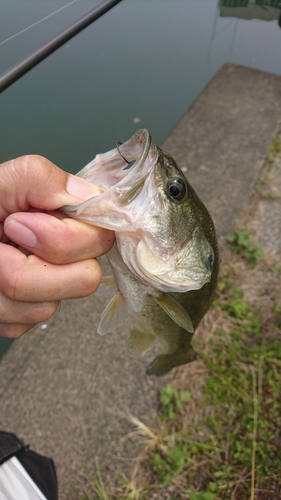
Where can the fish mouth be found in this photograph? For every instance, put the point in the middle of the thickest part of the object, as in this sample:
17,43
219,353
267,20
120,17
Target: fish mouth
125,161
119,182
130,206
136,148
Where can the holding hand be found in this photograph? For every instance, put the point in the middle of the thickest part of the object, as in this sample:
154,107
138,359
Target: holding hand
44,257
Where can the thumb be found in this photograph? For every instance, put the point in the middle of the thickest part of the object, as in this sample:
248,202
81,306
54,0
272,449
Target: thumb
35,182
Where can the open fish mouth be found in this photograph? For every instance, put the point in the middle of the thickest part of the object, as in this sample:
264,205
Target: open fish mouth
108,169
136,148
135,203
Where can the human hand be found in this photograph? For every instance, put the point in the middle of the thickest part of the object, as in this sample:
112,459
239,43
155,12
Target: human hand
44,257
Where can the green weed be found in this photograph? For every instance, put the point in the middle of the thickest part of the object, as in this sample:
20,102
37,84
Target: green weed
207,495
240,242
96,489
227,284
234,452
264,178
277,311
129,491
171,464
274,148
171,400
239,442
265,185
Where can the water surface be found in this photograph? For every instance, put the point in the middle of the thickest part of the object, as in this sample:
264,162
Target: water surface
144,61
141,65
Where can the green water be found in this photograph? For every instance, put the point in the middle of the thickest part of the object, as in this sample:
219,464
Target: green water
146,60
4,345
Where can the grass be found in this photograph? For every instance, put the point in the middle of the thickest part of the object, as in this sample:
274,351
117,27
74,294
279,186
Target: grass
241,244
235,451
264,187
230,449
218,431
96,488
274,149
171,399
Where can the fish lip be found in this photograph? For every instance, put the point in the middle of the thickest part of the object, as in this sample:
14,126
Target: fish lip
183,287
173,286
190,284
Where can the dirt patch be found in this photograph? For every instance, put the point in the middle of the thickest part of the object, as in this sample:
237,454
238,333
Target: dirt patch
184,457
260,287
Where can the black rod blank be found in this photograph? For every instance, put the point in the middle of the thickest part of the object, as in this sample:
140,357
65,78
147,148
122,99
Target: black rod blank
27,63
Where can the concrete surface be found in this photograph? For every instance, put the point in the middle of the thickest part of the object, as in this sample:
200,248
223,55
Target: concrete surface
263,212
64,389
224,136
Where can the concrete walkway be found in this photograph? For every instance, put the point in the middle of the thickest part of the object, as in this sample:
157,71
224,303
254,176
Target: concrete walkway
64,389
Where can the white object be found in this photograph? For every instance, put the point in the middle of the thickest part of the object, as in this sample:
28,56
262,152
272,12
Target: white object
15,482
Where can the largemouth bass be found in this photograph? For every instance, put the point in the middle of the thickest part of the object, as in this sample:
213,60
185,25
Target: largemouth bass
165,259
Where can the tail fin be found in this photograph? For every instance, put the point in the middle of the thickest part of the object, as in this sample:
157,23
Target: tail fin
163,363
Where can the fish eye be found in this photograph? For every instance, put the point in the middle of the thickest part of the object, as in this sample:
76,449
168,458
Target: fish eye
176,189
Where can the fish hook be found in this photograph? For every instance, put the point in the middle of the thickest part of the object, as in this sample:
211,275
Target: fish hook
120,144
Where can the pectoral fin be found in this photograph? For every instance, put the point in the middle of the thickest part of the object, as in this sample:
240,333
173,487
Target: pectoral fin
175,310
113,315
139,342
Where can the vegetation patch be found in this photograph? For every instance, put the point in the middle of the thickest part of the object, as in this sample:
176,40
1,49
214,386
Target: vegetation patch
274,149
241,244
235,452
218,432
224,444
265,187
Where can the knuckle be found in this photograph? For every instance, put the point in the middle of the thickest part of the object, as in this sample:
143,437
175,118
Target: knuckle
41,312
32,161
33,169
91,279
27,165
9,283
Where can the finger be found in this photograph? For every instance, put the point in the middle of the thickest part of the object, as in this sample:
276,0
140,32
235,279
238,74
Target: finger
59,241
34,181
12,311
30,278
14,330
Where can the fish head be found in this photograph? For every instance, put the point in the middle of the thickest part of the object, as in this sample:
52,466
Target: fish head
175,231
163,231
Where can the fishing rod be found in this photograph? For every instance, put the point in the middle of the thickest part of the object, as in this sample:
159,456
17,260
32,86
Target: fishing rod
27,63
